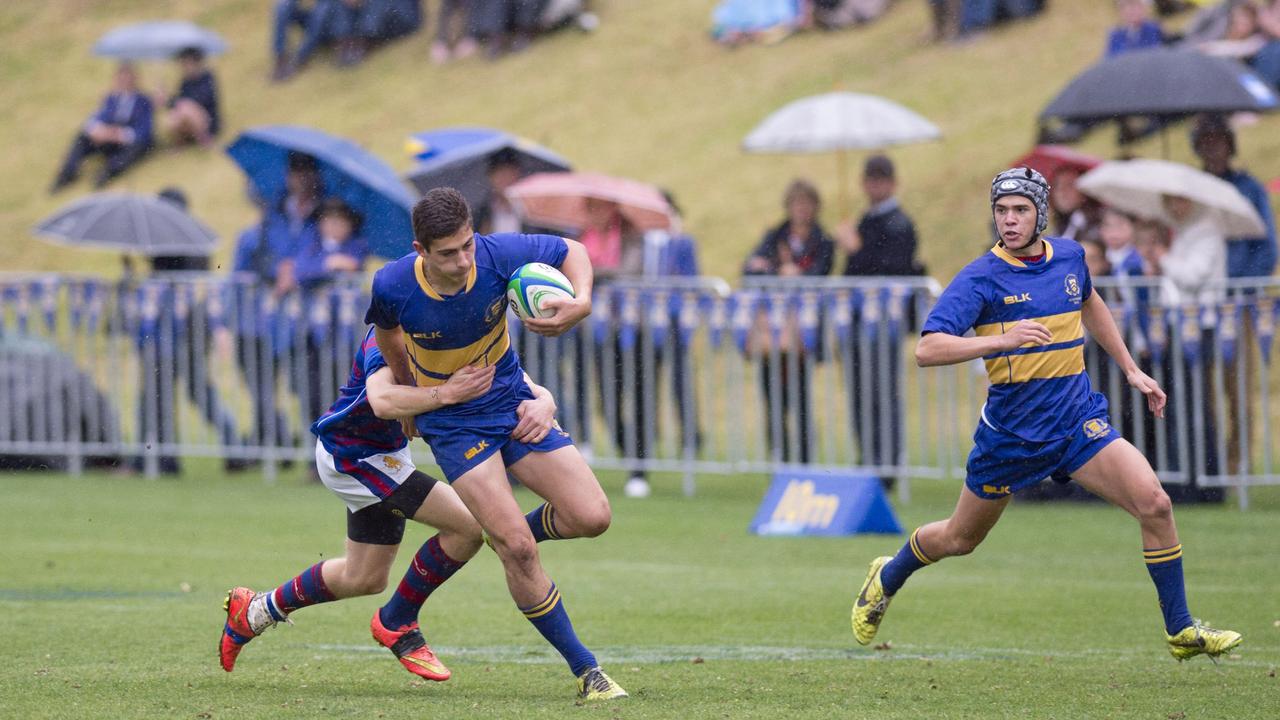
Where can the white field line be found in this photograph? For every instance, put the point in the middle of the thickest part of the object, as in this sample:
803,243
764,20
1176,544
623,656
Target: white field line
651,654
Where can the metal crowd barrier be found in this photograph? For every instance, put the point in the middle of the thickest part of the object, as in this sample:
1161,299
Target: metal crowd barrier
682,375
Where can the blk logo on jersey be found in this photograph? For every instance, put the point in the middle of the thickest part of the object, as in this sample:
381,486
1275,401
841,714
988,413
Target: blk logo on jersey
476,449
1012,299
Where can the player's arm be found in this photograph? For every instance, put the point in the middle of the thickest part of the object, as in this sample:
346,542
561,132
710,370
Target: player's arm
393,401
1101,325
537,416
939,348
569,311
391,345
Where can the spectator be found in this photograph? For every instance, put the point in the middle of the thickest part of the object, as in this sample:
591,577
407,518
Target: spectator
1242,37
1136,31
495,213
1095,258
1267,61
505,25
884,244
1116,235
1075,216
322,22
768,21
455,33
1197,258
193,115
287,224
1214,142
375,22
797,247
120,131
953,19
837,14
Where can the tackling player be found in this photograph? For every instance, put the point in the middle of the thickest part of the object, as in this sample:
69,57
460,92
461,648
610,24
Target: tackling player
363,456
442,310
1029,301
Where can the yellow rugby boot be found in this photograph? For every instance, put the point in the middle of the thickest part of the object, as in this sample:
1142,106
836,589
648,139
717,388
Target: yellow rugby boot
1197,639
868,609
594,685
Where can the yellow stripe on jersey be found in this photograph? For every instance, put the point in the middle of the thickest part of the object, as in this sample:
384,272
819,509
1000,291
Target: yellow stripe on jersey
1064,327
1008,257
488,350
420,272
1036,366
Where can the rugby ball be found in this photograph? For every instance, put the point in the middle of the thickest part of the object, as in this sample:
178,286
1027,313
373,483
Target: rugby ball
532,285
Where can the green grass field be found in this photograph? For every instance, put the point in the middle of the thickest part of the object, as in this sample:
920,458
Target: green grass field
111,595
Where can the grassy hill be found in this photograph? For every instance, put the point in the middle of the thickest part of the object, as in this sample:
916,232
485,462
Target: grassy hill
648,95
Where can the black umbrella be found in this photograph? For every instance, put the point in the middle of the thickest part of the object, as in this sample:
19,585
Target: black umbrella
1163,83
144,224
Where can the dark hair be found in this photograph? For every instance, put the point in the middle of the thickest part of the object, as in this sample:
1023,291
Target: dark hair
801,188
174,196
301,162
440,213
878,166
190,53
506,157
335,206
1211,124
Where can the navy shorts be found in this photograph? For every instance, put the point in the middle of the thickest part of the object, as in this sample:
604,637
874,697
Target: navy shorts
1002,463
458,448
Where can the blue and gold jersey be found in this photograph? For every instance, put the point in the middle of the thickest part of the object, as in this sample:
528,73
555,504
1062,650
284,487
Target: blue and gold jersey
1037,392
445,333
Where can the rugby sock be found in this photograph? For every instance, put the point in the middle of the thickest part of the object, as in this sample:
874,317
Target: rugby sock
908,560
551,619
542,523
306,589
1165,567
428,571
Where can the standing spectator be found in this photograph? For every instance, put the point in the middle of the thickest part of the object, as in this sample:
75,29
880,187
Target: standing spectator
1214,142
1117,236
193,115
798,246
1136,31
495,214
120,131
884,244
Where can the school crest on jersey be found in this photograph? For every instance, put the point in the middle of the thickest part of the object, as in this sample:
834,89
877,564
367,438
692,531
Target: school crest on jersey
1072,286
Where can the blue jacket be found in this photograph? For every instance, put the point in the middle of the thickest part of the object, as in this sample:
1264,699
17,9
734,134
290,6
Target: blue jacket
117,109
1121,40
1254,256
311,253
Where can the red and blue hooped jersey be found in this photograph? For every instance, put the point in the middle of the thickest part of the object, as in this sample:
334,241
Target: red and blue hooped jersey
349,429
1037,392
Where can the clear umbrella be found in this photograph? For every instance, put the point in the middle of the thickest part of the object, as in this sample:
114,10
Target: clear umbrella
1138,186
142,224
157,40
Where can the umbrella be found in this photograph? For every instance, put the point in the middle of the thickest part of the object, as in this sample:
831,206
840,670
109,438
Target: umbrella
839,121
459,158
558,200
1136,186
1048,160
143,224
1160,82
347,171
157,40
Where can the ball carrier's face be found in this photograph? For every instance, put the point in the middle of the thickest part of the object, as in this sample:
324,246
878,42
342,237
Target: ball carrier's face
448,260
1015,218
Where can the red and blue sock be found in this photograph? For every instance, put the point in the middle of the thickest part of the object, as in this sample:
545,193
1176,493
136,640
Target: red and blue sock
552,620
542,523
431,566
908,560
302,591
1165,568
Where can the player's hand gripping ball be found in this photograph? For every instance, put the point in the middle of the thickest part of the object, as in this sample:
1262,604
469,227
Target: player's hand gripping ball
532,285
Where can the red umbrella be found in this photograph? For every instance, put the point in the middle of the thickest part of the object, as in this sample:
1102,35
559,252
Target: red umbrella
1048,160
559,200
1274,186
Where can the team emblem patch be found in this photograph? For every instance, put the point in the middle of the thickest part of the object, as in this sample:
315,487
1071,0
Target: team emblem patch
391,463
494,310
1072,285
1009,185
1096,428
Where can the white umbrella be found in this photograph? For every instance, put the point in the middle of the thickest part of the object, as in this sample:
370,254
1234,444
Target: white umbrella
839,122
157,40
1137,186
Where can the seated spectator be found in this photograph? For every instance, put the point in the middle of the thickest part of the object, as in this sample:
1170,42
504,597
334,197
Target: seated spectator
837,14
495,214
376,22
323,22
455,33
1242,37
1116,233
1214,142
959,18
1267,60
193,115
1136,31
735,22
503,26
120,131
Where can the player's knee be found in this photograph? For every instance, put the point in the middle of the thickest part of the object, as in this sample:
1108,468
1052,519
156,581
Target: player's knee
518,549
1155,505
593,521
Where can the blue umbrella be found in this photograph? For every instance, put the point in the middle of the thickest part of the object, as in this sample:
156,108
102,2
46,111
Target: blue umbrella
347,171
459,158
157,40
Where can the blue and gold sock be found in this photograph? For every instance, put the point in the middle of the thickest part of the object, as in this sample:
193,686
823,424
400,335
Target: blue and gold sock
552,620
908,560
542,523
1165,567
